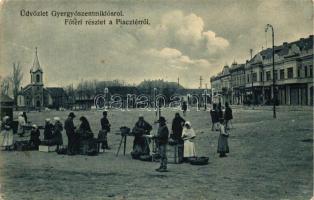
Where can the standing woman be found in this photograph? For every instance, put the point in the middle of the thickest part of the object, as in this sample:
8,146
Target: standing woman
188,136
7,133
34,140
58,128
21,124
223,146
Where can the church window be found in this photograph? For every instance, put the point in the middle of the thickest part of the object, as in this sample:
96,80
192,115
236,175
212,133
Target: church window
37,78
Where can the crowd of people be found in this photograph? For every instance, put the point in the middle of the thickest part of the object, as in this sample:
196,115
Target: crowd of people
81,140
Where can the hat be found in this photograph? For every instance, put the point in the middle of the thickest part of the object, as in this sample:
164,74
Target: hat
34,126
56,119
20,113
161,119
140,116
48,120
71,115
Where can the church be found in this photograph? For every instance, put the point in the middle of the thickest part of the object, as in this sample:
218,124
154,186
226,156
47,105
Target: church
35,96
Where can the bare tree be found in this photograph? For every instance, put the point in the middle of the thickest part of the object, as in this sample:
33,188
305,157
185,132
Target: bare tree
17,77
5,86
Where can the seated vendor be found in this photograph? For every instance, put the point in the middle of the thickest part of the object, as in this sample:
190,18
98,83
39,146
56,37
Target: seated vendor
140,143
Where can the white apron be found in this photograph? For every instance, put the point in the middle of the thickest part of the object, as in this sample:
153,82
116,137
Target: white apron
7,138
189,147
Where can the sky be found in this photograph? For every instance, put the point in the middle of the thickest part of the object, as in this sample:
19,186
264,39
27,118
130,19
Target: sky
185,39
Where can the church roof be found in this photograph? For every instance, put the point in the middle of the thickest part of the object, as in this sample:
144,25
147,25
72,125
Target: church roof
56,92
36,66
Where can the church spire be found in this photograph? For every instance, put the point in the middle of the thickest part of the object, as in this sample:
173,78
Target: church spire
36,65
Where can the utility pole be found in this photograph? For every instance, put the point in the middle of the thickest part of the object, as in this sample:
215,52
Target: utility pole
273,41
251,52
201,82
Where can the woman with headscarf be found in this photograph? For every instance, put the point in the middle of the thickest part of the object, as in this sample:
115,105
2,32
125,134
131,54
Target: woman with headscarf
34,140
85,136
188,135
85,129
58,128
48,131
223,146
7,133
21,124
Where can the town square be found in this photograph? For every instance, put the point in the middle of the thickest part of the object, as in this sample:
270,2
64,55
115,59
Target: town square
157,100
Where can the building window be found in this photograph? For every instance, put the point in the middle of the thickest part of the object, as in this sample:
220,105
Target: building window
311,70
254,77
305,71
261,76
268,76
282,74
248,78
299,72
276,75
290,72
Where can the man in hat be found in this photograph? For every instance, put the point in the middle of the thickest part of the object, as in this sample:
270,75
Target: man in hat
177,127
105,129
70,131
162,140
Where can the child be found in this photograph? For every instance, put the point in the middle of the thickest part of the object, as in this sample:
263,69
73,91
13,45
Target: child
223,146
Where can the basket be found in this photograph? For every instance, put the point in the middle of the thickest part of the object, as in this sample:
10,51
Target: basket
199,161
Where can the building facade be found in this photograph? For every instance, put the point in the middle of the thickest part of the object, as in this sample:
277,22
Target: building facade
293,76
237,72
35,97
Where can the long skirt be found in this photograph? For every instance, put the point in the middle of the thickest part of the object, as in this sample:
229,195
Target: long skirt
223,146
189,149
140,147
7,138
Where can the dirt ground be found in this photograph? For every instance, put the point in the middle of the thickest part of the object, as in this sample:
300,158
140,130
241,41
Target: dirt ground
269,159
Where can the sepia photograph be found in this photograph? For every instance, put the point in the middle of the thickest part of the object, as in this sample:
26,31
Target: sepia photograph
156,99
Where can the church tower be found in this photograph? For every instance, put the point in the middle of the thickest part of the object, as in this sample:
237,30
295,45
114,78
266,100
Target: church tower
37,83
